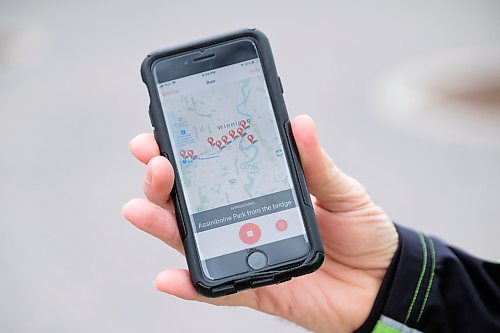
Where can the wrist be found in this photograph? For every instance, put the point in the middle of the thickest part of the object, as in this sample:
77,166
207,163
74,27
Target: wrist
383,292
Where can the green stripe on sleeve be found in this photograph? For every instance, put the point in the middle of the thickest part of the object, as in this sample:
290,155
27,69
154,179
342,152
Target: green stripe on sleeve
433,268
420,278
389,325
380,327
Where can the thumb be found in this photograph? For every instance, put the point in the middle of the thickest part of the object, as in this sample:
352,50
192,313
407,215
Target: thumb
333,190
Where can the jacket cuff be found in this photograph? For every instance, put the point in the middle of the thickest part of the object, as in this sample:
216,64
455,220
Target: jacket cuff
404,291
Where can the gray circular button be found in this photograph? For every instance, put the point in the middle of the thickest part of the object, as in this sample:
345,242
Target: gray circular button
257,260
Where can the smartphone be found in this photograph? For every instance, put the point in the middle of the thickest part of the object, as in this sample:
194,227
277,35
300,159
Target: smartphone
241,202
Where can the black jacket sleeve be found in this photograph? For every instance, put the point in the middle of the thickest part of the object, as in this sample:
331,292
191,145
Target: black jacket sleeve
433,287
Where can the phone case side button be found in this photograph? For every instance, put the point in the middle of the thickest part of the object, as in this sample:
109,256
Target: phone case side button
178,215
281,85
177,206
151,116
297,166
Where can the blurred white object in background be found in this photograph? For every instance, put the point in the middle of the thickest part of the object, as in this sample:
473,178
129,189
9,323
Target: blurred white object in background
453,96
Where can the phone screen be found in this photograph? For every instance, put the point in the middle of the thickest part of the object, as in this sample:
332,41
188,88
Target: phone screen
230,158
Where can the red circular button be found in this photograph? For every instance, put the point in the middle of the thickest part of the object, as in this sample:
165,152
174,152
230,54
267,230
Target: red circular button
281,225
250,233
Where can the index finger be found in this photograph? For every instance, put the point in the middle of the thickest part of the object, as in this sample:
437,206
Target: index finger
144,147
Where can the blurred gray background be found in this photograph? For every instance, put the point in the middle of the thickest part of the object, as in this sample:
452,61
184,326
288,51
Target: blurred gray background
381,80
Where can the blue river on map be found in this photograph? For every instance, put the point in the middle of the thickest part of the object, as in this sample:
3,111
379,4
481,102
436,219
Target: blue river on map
249,149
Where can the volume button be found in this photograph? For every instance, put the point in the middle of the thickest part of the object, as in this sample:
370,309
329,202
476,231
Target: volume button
179,217
164,154
156,136
281,85
178,214
295,159
150,116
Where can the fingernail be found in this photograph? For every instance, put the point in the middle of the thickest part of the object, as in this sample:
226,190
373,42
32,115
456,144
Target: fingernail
131,143
123,210
149,173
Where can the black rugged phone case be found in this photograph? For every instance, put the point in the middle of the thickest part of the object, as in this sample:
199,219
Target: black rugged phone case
225,286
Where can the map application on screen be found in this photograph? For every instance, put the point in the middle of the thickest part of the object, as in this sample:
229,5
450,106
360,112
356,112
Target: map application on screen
234,173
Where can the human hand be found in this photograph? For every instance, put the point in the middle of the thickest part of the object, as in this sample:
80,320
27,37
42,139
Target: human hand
359,240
